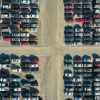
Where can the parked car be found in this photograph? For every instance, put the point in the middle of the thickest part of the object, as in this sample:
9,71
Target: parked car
6,1
16,86
24,82
37,98
29,77
25,92
4,73
96,60
68,16
67,59
33,91
67,1
5,94
87,83
25,1
86,59
34,83
68,73
77,59
15,77
14,94
4,58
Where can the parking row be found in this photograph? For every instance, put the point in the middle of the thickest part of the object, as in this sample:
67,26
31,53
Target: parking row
19,21
79,35
94,59
19,63
18,78
82,77
82,22
77,8
14,86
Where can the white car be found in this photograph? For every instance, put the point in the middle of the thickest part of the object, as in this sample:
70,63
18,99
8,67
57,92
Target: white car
97,11
35,65
97,88
17,89
4,89
69,94
25,1
18,98
2,84
97,79
35,98
3,79
35,16
97,93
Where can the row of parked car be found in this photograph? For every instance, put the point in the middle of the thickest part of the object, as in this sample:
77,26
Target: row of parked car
17,77
82,77
81,34
14,86
84,60
79,8
84,16
19,63
19,21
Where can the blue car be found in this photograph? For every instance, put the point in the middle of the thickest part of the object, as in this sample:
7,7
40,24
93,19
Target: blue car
15,1
67,1
67,82
76,98
87,83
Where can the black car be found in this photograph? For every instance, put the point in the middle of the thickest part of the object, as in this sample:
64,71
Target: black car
68,74
14,76
67,1
87,39
15,94
34,83
67,59
25,10
29,77
77,38
69,34
77,59
37,98
24,82
68,16
69,38
4,58
6,1
4,73
33,91
13,84
25,69
25,92
5,94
